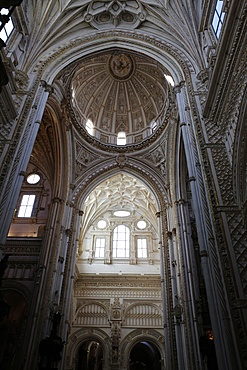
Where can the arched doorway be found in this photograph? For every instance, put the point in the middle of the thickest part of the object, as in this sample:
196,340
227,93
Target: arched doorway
144,356
90,356
10,327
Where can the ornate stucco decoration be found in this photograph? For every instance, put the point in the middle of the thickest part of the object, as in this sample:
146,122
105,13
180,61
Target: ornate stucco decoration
116,310
121,160
115,92
84,158
22,82
158,158
121,66
202,85
122,14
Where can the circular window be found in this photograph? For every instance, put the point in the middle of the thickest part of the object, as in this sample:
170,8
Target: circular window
101,224
33,178
141,224
121,213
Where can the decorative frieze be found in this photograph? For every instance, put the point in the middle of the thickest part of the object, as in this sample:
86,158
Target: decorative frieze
23,247
118,292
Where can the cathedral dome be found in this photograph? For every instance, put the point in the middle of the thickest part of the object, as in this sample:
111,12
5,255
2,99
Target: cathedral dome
119,97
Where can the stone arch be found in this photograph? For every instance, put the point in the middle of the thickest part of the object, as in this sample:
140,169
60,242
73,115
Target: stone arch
17,287
136,336
76,340
143,314
108,168
18,297
47,66
90,179
176,61
94,312
52,134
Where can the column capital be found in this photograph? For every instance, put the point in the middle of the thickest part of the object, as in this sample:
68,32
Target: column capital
68,232
80,212
57,200
48,88
180,201
177,88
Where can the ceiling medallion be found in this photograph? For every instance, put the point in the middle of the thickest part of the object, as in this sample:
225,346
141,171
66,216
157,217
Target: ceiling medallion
121,160
121,66
115,13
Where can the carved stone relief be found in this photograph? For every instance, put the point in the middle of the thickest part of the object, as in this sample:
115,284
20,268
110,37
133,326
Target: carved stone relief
84,158
115,13
91,314
223,136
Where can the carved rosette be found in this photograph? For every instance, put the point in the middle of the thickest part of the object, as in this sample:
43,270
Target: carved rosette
100,14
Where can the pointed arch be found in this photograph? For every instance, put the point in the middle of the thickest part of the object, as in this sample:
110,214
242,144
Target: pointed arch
109,167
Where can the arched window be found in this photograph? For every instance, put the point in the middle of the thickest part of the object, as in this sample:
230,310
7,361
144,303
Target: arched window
121,242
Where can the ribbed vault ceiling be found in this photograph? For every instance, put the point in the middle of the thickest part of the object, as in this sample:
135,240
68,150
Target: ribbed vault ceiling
120,192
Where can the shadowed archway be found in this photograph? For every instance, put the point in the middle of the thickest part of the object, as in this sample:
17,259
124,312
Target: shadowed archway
145,356
90,356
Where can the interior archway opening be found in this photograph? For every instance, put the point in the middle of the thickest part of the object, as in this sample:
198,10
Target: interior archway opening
90,356
12,321
145,356
113,212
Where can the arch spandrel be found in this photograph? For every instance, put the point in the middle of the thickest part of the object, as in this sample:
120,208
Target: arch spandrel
153,168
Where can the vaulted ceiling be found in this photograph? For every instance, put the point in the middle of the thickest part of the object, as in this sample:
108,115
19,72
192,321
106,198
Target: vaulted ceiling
120,192
119,91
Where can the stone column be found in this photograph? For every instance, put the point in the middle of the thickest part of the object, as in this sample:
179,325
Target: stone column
216,291
168,351
17,157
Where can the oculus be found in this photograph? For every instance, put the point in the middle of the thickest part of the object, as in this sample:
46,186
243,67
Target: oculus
101,224
141,224
121,213
33,179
